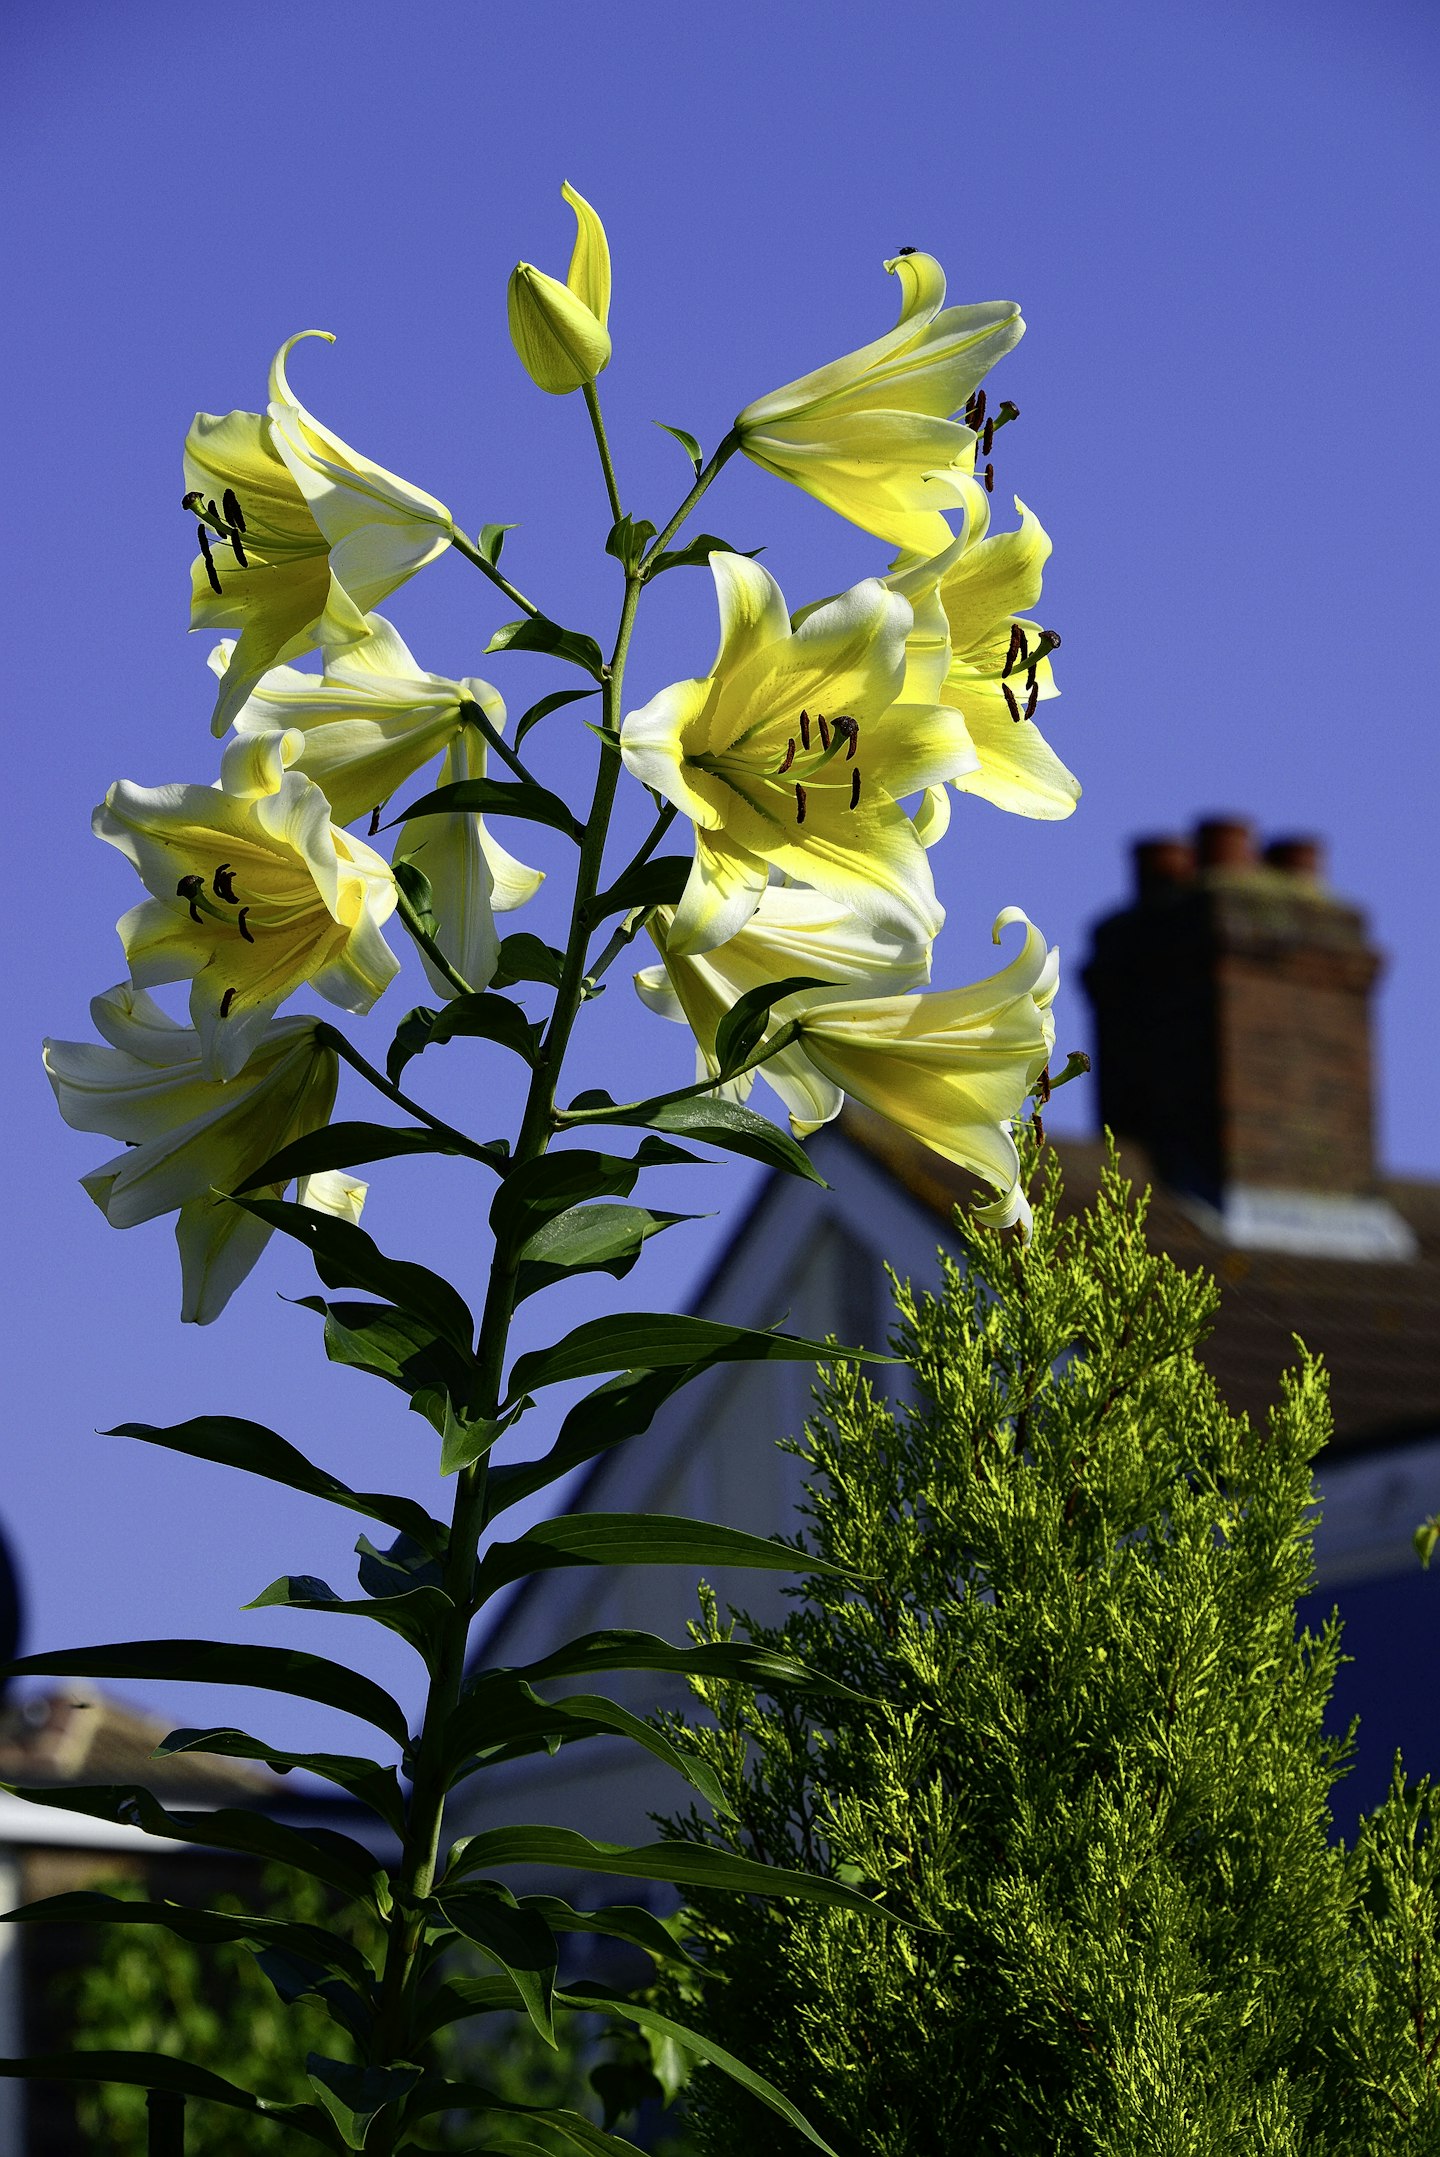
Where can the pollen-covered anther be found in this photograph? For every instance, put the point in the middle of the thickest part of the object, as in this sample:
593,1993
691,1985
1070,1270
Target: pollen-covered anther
789,758
1032,700
804,730
987,440
204,538
1015,648
189,889
823,724
223,883
1012,701
854,789
849,730
226,1001
799,803
234,514
241,921
989,479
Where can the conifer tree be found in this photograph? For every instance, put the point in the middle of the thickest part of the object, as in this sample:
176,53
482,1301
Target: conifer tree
1084,1764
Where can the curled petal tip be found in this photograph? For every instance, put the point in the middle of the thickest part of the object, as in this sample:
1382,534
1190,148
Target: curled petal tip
280,391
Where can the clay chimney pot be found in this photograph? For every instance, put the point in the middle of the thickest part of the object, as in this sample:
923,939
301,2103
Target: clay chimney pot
1298,856
1225,842
1162,863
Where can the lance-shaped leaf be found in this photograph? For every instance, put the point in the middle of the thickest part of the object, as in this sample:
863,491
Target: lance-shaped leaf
461,1997
518,1939
345,1257
695,554
237,1443
158,2071
310,1943
716,1122
371,1785
615,1921
555,702
654,883
403,1350
348,1145
337,1859
620,1409
536,1191
590,1998
437,2094
682,1864
627,540
479,1017
295,1979
742,1029
524,957
637,1539
736,1660
417,1614
220,1662
354,2096
658,1339
537,633
495,797
687,442
590,1239
498,1713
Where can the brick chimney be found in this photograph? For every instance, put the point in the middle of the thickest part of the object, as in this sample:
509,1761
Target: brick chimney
1232,1019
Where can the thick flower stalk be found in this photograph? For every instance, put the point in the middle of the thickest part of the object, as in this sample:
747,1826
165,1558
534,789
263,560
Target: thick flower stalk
793,753
255,893
190,1138
300,535
870,435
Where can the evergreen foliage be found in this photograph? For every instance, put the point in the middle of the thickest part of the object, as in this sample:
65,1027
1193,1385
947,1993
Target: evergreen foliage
1089,1775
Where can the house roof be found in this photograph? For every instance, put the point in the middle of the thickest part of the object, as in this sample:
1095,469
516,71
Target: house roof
81,1736
1376,1322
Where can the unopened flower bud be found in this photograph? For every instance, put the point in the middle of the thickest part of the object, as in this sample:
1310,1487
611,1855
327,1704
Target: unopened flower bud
559,330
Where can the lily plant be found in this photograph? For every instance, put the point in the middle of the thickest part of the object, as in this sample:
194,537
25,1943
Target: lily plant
816,764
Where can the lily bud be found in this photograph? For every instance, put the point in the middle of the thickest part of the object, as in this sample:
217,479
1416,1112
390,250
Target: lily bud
559,330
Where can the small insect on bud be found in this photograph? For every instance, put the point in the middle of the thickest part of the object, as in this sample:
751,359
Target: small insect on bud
1032,700
987,440
799,803
789,757
240,922
989,479
905,250
1012,701
204,538
804,730
854,789
189,888
821,722
226,1001
223,883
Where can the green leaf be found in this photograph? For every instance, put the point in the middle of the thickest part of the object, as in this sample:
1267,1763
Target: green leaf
687,442
373,1786
615,1921
637,1539
158,2071
655,1339
682,1864
463,1439
348,1145
345,1257
236,1443
654,883
417,1614
479,1016
545,706
324,1855
587,1998
696,554
733,1660
627,540
491,539
500,1716
537,633
495,797
354,2096
401,1349
524,957
220,1662
536,1191
416,886
518,1939
461,1997
622,1408
437,2094
743,1027
738,1130
310,1943
589,1239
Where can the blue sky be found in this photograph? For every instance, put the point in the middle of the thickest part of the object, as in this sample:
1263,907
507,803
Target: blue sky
1220,223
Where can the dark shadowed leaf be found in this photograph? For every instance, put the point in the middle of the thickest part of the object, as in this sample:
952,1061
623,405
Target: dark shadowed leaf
345,1257
537,633
518,1939
348,1145
654,883
682,1864
742,1029
536,1191
220,1662
656,1339
687,442
310,1943
620,1409
494,797
365,1780
696,554
158,2071
479,1017
403,1350
589,1239
354,2095
524,957
546,705
591,1653
637,1539
417,1614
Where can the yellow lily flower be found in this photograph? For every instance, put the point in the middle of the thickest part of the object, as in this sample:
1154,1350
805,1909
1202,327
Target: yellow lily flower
299,534
998,663
952,1067
870,434
794,752
793,932
255,893
189,1137
560,330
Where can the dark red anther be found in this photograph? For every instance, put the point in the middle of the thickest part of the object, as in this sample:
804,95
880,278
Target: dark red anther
1013,651
789,758
234,514
374,825
226,1001
240,921
204,538
1030,673
989,479
978,413
224,883
821,722
987,440
1032,700
850,730
799,803
1010,699
854,789
804,730
1022,646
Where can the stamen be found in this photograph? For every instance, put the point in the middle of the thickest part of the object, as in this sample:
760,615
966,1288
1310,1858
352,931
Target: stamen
1032,700
194,501
799,803
226,1001
789,757
237,550
978,411
234,514
1006,413
987,440
223,882
1024,645
1014,649
1015,712
804,730
820,721
189,888
204,538
1030,675
850,729
989,479
240,924
854,789
374,820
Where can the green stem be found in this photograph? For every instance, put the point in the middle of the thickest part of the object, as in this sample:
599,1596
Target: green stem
629,929
602,443
328,1037
600,906
477,718
429,946
472,553
722,456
